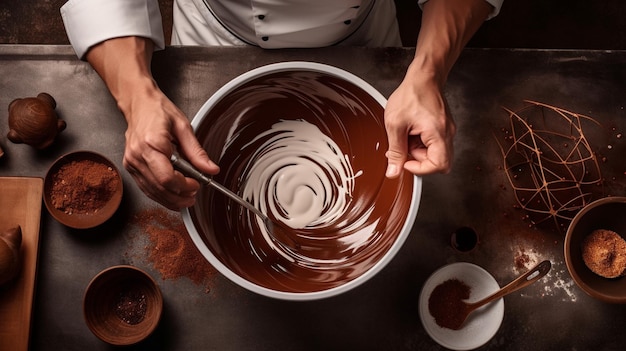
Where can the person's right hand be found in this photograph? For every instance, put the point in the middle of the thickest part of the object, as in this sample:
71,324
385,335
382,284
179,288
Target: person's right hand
419,127
156,127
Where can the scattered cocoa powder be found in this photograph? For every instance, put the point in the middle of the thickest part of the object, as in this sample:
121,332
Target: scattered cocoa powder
446,303
83,186
171,250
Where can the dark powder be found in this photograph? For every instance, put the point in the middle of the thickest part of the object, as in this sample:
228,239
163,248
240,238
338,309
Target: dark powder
446,303
171,250
82,187
131,306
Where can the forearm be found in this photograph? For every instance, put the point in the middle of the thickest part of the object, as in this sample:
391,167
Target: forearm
447,26
124,65
156,127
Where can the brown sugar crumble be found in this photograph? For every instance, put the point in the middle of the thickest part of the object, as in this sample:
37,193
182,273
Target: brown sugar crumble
82,187
604,253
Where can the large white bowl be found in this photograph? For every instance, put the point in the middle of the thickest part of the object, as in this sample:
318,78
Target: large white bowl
224,233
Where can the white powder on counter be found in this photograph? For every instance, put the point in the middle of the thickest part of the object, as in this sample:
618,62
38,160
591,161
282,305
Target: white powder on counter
557,282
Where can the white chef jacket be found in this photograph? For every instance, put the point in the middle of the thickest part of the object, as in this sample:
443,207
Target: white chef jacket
286,23
266,23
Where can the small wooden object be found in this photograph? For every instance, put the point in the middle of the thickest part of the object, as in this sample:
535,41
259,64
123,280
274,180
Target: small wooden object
20,200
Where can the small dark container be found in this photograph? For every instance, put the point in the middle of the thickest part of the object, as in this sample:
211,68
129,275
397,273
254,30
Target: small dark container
464,239
88,220
102,295
607,213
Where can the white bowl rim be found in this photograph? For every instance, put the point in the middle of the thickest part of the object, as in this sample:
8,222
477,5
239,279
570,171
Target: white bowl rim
296,296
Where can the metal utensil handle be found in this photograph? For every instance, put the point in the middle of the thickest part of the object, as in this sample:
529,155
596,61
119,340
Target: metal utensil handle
188,170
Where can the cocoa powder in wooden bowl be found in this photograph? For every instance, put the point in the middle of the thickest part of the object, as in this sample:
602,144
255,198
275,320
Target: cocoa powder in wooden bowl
82,189
122,305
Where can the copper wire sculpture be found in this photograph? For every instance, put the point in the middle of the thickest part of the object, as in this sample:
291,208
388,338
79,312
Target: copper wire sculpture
549,162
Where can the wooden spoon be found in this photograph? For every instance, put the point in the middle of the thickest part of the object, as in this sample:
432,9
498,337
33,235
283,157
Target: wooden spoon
465,308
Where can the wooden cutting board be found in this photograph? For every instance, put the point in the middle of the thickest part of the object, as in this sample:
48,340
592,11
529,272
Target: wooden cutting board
20,203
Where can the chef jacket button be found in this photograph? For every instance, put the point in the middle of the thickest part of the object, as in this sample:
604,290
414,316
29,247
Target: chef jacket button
347,22
265,38
261,17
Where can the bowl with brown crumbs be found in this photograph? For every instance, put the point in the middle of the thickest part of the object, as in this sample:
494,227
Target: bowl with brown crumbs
82,189
595,249
122,305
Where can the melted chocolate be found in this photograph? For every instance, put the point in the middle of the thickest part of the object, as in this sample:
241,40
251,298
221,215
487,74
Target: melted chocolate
325,256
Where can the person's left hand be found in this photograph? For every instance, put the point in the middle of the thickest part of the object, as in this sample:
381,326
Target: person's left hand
419,128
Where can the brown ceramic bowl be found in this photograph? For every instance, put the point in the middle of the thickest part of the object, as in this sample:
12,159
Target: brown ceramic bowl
286,136
87,193
607,213
122,305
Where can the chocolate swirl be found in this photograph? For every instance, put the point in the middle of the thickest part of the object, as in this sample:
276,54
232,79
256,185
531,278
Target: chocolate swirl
299,176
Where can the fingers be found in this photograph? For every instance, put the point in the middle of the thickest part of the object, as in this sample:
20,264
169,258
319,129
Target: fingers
397,152
191,149
156,177
429,160
155,125
409,152
419,130
149,146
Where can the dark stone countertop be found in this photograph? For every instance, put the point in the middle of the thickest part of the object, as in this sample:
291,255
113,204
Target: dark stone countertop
381,314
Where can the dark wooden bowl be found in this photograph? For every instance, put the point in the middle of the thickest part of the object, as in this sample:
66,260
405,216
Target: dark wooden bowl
112,287
607,213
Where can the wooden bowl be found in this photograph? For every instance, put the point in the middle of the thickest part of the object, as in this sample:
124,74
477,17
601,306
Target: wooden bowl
100,196
607,213
122,305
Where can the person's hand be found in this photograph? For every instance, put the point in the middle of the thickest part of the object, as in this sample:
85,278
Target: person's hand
156,129
419,128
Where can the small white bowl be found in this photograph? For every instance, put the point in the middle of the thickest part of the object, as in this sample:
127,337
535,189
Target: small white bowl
481,325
